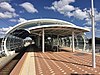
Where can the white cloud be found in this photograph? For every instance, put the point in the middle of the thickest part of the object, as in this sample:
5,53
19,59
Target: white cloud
69,14
19,20
7,11
51,8
80,14
22,20
64,7
97,15
67,8
62,3
8,14
13,20
3,15
88,22
3,31
29,7
88,27
6,6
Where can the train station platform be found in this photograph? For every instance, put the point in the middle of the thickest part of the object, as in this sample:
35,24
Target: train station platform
56,63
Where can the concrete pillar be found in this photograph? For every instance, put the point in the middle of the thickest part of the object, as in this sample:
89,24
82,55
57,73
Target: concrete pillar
43,41
73,47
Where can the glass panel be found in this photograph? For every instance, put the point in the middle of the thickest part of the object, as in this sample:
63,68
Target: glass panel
80,42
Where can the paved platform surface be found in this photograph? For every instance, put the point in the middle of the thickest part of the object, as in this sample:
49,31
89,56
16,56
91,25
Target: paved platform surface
57,63
65,63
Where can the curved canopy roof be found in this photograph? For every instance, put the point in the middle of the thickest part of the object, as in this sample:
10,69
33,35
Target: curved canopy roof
51,26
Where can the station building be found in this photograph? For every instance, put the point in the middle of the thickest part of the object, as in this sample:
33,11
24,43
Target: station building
47,34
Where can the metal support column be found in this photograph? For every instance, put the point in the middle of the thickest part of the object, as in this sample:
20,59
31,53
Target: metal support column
73,48
84,42
93,35
70,42
5,47
57,42
43,40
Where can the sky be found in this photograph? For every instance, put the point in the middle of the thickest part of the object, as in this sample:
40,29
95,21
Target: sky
77,12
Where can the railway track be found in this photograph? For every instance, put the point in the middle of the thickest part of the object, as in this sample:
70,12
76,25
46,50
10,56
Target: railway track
10,65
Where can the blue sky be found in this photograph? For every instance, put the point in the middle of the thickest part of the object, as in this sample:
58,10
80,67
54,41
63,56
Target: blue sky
77,12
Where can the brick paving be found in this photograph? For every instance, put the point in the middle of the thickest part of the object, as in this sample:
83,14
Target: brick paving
65,63
61,63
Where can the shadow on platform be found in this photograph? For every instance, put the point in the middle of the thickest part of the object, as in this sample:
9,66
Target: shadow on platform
64,61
